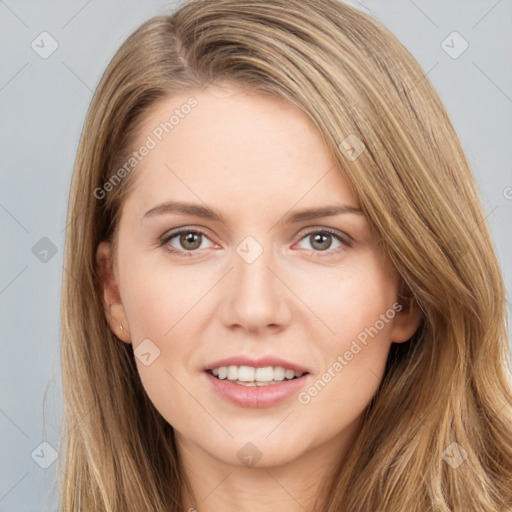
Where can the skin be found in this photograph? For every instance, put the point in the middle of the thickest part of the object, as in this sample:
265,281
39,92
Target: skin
254,160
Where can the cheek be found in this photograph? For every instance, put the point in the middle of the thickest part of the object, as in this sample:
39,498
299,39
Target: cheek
353,369
158,298
359,306
346,300
160,306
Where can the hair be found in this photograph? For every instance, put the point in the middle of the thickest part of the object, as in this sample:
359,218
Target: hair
448,383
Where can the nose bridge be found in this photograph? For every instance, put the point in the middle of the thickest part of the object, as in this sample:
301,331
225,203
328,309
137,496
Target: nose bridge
256,297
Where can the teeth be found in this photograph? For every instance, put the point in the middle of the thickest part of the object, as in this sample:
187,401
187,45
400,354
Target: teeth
264,374
257,383
255,376
232,372
279,373
246,373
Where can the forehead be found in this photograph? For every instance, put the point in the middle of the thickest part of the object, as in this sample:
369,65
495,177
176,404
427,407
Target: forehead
225,143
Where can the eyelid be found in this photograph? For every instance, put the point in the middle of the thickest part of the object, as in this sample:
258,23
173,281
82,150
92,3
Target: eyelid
344,237
178,231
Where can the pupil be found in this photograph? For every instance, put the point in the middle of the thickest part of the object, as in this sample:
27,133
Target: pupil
190,240
323,241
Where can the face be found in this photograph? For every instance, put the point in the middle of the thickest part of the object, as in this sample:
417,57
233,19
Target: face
258,303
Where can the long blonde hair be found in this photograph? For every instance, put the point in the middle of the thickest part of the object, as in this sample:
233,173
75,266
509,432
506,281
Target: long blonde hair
448,384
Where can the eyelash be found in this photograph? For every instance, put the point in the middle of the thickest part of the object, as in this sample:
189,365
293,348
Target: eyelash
345,240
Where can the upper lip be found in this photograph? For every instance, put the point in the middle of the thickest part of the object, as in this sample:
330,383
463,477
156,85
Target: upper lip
259,362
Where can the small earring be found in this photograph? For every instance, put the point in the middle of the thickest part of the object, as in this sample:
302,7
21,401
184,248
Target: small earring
120,325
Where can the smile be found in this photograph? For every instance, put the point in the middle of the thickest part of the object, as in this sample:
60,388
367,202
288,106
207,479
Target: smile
251,376
260,387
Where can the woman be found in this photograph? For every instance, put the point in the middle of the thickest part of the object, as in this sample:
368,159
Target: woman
281,291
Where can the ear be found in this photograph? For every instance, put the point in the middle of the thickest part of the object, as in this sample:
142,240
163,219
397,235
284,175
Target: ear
113,306
406,321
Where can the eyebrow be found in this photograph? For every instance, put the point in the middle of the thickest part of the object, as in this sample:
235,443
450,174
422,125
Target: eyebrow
205,212
317,213
196,210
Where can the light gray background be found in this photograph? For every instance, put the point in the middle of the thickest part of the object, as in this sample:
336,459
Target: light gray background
42,107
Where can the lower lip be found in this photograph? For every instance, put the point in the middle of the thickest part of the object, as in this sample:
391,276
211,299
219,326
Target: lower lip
256,396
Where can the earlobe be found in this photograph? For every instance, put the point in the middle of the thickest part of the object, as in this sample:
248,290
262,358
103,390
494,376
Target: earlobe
112,303
406,321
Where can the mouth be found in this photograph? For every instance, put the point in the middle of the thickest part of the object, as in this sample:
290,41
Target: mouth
255,376
249,381
256,386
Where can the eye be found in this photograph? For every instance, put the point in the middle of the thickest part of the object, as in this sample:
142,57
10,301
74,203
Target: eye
188,241
323,240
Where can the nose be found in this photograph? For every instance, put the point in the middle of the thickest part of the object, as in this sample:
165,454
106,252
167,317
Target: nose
255,297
